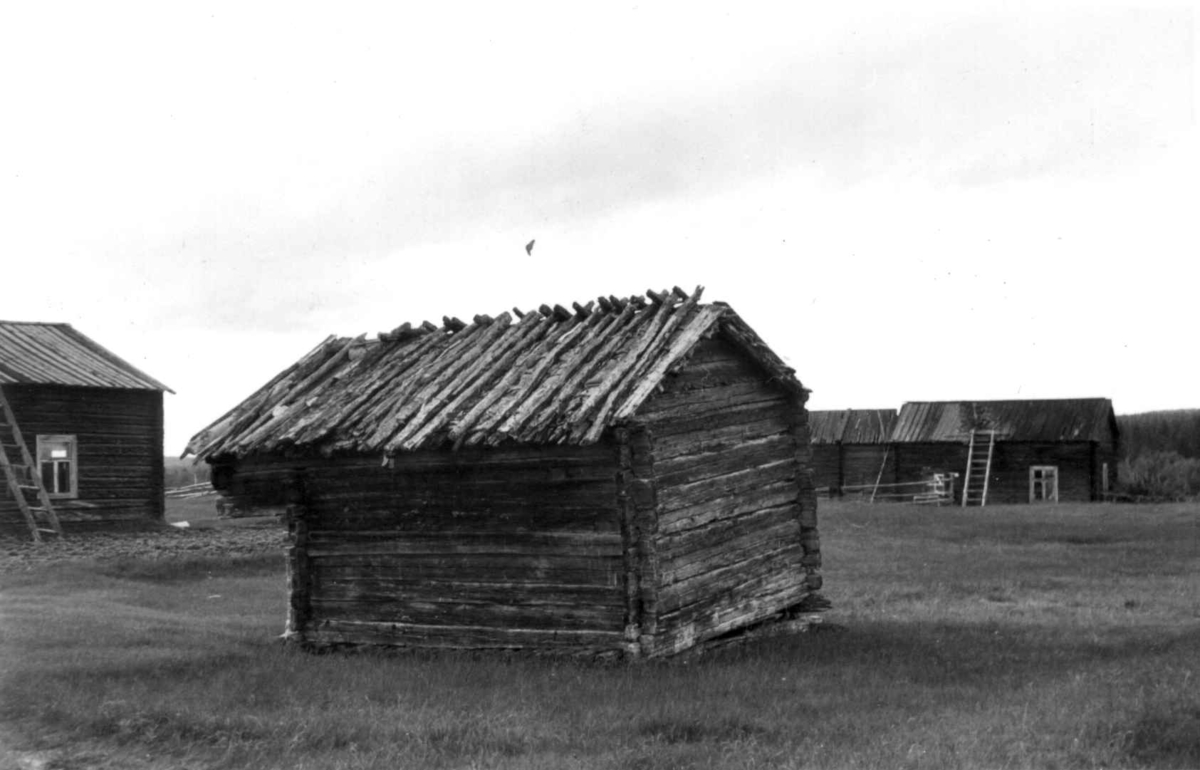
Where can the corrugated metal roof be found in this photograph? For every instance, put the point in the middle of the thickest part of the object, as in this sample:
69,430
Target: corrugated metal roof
551,377
58,354
851,426
1068,419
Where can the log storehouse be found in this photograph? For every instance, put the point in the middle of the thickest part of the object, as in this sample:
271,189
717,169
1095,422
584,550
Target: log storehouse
82,434
1016,451
630,476
851,447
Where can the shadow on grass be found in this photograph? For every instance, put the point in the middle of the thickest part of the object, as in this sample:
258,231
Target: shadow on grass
1165,733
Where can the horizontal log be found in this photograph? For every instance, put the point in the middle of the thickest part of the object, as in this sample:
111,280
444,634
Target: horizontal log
716,437
513,538
415,517
692,414
710,396
780,529
435,461
461,637
514,592
435,546
674,498
568,617
500,570
705,513
770,559
737,456
682,632
723,532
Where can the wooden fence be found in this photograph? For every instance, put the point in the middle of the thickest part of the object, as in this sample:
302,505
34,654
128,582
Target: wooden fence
938,490
203,489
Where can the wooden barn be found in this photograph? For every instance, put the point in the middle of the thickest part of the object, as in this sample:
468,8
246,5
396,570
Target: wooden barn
851,447
629,477
1011,451
82,432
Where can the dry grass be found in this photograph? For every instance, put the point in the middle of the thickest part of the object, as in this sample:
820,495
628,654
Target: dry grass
1006,638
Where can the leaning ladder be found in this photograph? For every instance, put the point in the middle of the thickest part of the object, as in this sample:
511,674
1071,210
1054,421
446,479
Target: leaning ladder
21,474
979,470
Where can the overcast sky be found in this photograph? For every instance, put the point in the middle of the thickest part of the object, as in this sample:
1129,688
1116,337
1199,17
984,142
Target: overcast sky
917,204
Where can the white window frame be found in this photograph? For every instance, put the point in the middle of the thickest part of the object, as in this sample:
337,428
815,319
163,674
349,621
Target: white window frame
1035,479
72,459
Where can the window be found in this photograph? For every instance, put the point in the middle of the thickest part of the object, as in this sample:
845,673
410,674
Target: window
56,464
1043,484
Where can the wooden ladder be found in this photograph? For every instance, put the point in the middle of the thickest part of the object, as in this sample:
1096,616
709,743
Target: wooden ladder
23,477
979,470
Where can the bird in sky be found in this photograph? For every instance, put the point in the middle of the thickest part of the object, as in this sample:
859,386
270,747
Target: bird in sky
529,247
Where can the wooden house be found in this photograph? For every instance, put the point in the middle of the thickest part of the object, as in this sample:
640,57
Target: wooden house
92,425
630,476
851,447
1028,451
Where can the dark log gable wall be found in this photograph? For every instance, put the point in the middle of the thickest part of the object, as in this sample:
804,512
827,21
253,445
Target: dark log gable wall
728,459
119,445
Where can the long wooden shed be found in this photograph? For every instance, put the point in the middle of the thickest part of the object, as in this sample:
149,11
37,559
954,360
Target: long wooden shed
92,424
1037,450
851,447
630,476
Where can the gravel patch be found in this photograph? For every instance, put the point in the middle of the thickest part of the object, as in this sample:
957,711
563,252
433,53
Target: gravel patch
245,539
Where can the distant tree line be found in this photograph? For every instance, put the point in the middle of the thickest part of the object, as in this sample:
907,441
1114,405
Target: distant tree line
1161,452
181,473
1174,431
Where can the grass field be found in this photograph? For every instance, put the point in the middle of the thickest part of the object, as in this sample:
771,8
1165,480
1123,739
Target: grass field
1010,637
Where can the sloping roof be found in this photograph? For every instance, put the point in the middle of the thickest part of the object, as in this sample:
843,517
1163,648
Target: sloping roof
1068,419
551,377
58,354
851,426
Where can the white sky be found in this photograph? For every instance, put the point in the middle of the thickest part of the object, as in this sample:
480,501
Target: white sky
924,204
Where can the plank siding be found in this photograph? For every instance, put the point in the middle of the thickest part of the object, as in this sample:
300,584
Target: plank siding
501,549
119,452
827,466
1078,467
727,539
861,463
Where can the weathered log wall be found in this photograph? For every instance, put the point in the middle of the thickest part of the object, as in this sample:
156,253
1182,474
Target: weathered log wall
1079,467
477,549
827,465
725,543
861,463
119,445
